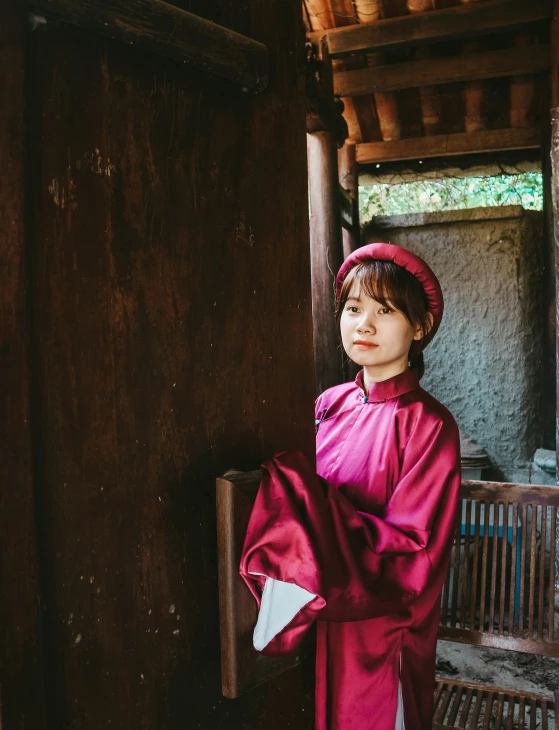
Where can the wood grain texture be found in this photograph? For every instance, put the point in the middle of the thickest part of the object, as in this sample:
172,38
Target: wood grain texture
431,71
172,308
489,706
510,492
447,145
21,672
528,646
242,667
472,19
162,28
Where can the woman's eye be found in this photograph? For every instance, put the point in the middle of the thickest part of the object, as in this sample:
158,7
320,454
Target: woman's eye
352,309
385,310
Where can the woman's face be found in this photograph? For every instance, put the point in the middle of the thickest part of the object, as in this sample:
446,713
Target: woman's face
374,336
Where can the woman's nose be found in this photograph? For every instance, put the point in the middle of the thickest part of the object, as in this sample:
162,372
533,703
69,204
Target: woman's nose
365,325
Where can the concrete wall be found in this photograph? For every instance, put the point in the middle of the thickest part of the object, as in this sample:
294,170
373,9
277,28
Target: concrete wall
485,362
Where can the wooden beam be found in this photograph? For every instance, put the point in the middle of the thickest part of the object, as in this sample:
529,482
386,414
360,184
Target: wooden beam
168,31
438,25
433,71
447,145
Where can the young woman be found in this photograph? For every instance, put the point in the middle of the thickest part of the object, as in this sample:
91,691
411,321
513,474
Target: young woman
365,548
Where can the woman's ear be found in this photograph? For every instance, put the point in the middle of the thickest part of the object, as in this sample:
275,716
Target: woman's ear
420,332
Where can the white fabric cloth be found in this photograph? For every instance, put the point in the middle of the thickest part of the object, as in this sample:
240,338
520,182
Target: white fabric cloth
281,602
399,724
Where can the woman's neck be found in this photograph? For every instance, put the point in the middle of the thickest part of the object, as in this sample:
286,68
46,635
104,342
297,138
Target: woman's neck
378,374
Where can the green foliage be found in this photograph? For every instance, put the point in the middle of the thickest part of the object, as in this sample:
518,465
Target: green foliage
424,196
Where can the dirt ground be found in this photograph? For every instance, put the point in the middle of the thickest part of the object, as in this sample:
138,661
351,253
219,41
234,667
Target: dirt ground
509,669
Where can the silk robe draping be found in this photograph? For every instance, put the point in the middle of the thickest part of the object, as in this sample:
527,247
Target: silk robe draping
363,546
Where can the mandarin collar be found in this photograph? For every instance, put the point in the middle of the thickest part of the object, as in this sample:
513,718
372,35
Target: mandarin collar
391,388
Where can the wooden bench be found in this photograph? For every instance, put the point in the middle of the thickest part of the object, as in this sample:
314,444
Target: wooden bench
500,592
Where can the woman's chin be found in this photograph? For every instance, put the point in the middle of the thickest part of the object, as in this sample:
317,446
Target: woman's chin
364,356
362,361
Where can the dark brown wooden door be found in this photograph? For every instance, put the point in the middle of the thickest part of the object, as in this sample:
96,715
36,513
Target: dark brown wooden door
156,331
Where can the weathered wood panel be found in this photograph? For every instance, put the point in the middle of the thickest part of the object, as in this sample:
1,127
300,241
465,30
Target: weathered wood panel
174,338
21,676
162,28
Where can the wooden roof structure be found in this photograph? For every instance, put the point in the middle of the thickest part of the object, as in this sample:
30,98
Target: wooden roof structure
431,78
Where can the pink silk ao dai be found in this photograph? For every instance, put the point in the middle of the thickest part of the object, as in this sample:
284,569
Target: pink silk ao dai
363,548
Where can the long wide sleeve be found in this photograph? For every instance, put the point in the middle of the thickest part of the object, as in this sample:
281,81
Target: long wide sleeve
309,553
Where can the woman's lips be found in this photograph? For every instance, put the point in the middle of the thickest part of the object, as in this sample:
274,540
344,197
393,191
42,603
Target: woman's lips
363,345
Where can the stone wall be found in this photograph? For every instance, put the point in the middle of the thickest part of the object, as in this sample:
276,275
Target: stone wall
485,363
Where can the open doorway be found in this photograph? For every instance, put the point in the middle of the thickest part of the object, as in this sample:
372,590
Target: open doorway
482,228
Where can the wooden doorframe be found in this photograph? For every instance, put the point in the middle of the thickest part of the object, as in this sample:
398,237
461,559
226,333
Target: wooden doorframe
22,699
554,219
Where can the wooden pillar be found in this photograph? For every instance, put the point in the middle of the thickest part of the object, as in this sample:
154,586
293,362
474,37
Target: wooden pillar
548,394
349,181
326,256
553,224
555,239
554,152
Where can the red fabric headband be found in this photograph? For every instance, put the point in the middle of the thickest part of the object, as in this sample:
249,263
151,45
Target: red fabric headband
407,260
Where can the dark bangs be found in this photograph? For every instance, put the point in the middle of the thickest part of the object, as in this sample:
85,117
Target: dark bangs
390,285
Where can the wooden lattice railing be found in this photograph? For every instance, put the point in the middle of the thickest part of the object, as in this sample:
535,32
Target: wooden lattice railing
474,706
500,592
500,587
